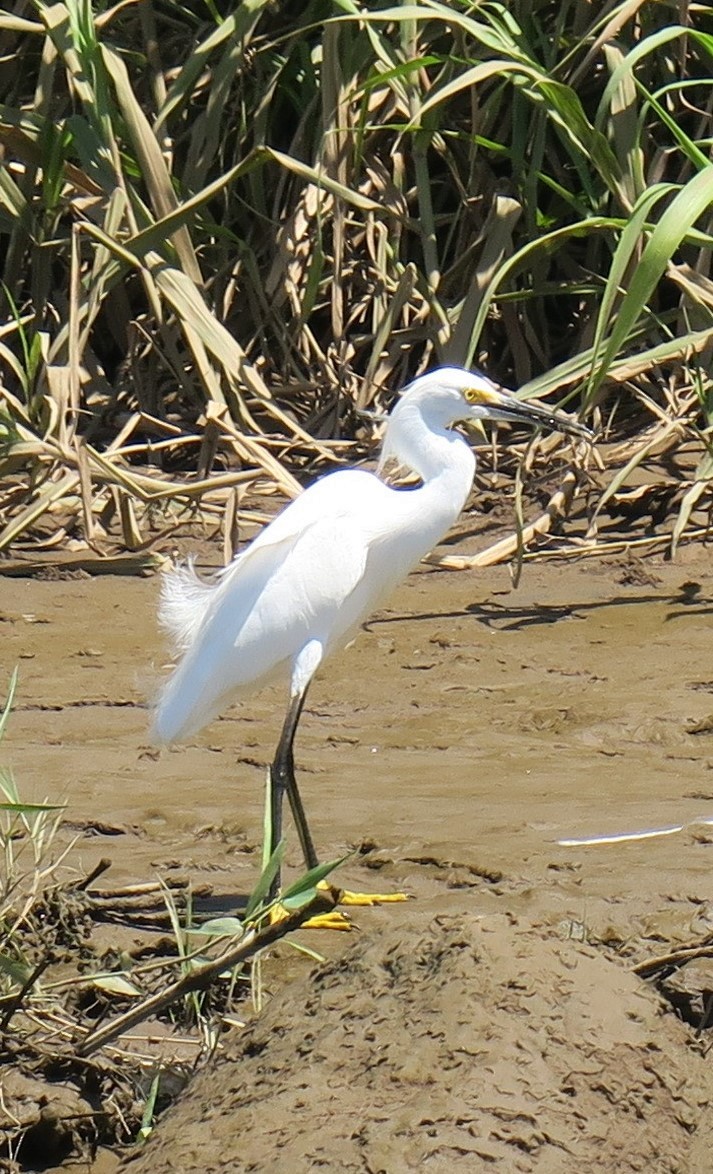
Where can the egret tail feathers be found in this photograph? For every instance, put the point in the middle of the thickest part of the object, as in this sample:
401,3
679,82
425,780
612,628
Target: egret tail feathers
185,599
181,710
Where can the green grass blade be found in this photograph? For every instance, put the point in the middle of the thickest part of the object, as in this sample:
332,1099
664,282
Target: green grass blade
262,888
9,700
304,890
628,242
690,203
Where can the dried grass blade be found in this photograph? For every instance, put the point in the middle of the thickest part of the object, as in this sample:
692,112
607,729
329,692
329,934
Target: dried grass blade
133,538
683,347
322,180
625,131
498,233
70,418
13,363
249,448
698,287
157,489
237,26
575,369
688,503
12,198
401,297
151,161
18,24
59,385
622,14
151,237
192,310
622,475
112,473
335,113
231,530
105,270
85,490
46,497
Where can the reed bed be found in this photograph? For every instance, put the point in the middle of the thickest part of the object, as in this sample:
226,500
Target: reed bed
228,231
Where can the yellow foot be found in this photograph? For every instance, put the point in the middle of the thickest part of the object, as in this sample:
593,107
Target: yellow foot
367,900
331,920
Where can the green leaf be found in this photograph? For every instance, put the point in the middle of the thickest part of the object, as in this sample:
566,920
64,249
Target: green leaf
116,984
220,927
22,808
304,890
565,103
17,972
299,900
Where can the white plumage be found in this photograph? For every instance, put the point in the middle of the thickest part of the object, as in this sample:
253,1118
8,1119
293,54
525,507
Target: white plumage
304,585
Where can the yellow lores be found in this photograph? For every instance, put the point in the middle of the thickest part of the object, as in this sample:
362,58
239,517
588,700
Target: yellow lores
480,395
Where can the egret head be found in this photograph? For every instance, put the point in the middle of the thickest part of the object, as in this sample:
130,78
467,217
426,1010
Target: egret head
451,394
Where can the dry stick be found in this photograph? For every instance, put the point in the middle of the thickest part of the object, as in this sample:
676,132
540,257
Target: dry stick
202,975
141,917
675,958
158,887
557,507
148,908
103,866
145,909
607,546
85,490
231,527
93,564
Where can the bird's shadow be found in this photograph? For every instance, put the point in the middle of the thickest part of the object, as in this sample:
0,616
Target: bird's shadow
686,602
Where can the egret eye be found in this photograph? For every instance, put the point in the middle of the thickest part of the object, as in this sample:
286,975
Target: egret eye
477,395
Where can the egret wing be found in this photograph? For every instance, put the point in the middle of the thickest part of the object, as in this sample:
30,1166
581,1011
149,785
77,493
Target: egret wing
187,600
286,588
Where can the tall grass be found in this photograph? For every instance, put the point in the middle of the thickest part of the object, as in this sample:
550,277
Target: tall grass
226,227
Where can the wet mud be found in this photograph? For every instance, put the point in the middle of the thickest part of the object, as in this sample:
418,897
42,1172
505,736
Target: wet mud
495,1019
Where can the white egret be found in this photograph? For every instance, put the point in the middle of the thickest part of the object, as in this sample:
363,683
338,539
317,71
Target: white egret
301,589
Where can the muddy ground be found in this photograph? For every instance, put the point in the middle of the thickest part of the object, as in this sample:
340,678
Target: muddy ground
494,1021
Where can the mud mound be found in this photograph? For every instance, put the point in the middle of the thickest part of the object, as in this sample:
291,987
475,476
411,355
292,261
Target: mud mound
474,1042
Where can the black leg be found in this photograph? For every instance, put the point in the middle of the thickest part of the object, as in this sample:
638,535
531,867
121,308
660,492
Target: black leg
282,781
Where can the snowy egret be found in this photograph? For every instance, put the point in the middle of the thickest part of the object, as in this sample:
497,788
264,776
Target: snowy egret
308,580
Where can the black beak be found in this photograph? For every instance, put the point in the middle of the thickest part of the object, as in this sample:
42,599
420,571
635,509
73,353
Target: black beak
536,415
